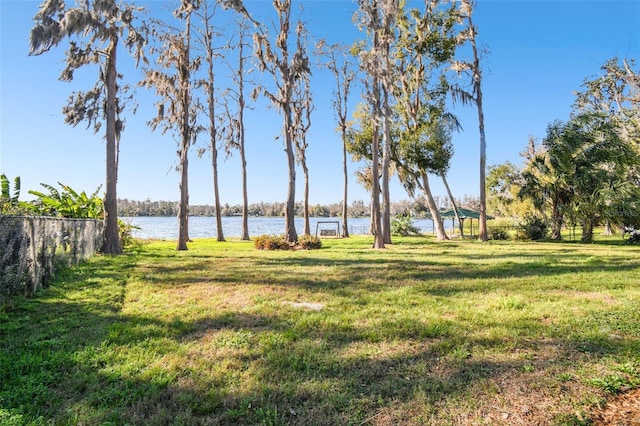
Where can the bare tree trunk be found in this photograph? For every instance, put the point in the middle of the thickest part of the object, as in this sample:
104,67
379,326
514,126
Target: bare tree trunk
345,229
214,148
210,88
245,197
386,156
556,221
441,234
290,210
378,236
183,208
307,226
243,158
482,227
477,82
111,243
216,192
185,133
453,203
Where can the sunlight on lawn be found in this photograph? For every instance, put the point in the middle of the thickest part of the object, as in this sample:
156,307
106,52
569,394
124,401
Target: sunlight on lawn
420,333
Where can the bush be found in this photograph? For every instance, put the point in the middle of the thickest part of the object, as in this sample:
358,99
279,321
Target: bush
499,228
125,230
532,228
271,242
309,242
403,225
498,234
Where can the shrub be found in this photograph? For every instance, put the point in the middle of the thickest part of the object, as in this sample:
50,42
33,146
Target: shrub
309,242
125,230
272,242
498,234
532,228
403,225
499,228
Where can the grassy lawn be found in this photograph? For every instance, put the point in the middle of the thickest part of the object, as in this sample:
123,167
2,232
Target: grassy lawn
424,332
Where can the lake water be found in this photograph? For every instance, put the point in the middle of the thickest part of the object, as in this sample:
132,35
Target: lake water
166,228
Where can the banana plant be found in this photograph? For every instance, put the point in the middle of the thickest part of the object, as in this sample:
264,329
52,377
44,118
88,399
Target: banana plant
67,203
6,195
9,203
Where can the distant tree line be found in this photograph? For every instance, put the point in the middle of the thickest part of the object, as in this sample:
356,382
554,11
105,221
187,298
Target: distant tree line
416,208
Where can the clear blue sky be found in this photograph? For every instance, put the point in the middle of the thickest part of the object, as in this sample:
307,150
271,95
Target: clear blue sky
539,53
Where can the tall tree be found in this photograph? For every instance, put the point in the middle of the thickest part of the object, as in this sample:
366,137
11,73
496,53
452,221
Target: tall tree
339,63
303,106
360,138
474,71
177,111
286,70
94,30
390,10
207,37
371,65
426,42
233,131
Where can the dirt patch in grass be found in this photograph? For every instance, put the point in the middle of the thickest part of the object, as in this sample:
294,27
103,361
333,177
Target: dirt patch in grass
622,410
587,295
305,305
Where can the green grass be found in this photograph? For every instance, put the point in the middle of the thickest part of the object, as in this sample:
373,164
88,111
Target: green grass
423,332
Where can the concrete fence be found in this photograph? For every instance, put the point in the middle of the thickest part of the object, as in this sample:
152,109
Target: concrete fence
32,247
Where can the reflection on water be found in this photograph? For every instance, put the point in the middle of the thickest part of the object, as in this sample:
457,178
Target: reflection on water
205,227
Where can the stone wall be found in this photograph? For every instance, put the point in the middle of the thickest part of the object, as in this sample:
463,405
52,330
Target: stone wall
32,247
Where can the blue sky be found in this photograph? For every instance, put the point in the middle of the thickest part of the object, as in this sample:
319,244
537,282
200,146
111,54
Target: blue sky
539,53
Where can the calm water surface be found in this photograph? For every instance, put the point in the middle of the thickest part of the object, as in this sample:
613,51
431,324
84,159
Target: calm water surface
205,227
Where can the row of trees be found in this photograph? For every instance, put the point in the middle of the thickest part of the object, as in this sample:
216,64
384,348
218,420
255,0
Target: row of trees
586,171
404,58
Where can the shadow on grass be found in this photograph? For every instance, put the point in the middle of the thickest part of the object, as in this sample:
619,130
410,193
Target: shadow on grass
439,278
72,356
300,372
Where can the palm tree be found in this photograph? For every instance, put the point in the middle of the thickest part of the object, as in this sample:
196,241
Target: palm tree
549,175
475,73
601,183
581,169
